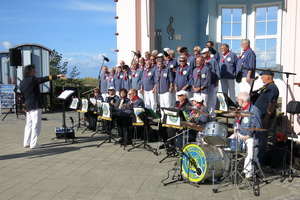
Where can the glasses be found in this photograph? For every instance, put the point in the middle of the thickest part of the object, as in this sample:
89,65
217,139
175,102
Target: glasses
182,60
195,50
130,93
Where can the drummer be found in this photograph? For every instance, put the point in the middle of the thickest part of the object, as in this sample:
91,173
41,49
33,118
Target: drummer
239,131
195,117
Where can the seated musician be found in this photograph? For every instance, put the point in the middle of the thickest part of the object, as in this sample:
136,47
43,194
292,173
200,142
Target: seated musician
195,117
183,101
122,100
90,115
111,99
182,104
119,104
125,113
241,133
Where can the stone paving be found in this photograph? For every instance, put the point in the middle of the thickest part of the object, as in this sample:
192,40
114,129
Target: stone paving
82,171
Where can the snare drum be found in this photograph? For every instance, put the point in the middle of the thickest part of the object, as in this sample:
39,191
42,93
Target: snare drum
198,162
215,133
241,147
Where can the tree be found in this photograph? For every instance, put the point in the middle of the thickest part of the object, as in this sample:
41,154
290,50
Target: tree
57,68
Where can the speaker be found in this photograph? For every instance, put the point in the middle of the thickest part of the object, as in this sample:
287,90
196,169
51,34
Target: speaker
15,57
293,107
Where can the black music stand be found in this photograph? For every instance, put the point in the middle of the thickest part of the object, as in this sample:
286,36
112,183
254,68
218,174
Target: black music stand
175,114
105,108
143,116
64,96
293,107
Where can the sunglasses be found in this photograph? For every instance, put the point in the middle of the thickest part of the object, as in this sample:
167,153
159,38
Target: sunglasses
182,60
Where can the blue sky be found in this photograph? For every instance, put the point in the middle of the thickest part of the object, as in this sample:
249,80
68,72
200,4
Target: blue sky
81,30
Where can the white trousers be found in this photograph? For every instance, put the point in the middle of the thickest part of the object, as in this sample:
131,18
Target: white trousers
212,98
150,100
141,96
251,154
32,128
244,85
228,87
165,100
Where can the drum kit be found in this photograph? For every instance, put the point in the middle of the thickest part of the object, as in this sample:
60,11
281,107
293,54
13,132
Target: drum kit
211,158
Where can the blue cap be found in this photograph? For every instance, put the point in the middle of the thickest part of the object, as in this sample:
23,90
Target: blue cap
267,72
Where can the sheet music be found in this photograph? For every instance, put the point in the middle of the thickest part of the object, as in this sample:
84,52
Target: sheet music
93,100
65,94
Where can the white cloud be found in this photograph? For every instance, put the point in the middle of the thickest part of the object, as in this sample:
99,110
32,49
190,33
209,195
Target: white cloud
7,45
88,66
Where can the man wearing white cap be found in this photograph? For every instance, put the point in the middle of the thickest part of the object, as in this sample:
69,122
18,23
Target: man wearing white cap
213,65
199,119
111,99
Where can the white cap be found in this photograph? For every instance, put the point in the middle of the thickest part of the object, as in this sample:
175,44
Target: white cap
167,49
111,88
181,92
197,97
205,50
160,55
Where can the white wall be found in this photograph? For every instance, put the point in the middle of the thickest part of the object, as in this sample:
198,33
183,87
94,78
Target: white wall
126,27
291,52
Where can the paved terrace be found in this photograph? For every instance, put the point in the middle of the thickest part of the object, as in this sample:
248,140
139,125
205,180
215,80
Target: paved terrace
83,171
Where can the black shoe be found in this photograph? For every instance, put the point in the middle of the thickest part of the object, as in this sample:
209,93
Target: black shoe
163,146
120,141
170,149
127,142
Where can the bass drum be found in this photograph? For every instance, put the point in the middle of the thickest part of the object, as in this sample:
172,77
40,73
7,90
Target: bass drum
198,162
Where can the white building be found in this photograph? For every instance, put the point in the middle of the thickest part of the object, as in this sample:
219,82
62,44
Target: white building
271,26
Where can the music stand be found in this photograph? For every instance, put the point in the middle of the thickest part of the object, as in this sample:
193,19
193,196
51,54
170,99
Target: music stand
84,109
107,115
64,96
224,103
141,118
172,119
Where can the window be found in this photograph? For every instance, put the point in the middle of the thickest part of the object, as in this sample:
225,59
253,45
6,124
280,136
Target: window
266,34
232,27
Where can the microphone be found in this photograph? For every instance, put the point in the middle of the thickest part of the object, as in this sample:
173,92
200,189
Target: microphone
105,58
137,54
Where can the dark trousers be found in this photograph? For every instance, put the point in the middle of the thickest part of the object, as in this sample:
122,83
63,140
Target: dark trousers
123,124
92,119
263,140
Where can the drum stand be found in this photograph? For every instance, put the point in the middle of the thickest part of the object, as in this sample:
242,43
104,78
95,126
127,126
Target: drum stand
254,163
234,174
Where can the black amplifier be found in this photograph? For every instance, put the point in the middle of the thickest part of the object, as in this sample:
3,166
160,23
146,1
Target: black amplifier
61,132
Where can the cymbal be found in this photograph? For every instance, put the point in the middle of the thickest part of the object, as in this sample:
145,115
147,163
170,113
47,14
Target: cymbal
256,129
236,114
198,110
193,126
